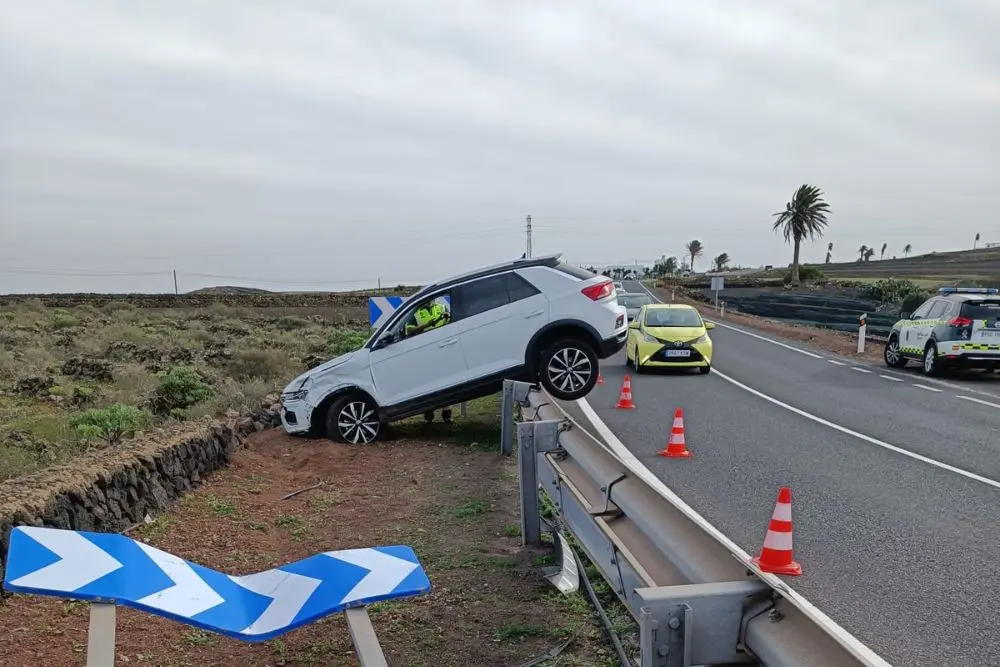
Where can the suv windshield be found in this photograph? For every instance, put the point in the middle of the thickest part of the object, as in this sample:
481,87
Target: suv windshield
633,300
981,310
673,317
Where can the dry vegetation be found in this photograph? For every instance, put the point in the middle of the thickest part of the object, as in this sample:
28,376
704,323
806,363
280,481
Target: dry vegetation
77,378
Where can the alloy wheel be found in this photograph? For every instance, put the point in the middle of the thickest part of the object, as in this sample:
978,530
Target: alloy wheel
358,424
570,369
892,353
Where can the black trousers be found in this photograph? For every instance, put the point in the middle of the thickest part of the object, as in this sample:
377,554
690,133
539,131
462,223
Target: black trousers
445,415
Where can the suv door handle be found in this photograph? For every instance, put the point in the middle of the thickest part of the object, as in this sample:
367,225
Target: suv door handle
534,314
450,341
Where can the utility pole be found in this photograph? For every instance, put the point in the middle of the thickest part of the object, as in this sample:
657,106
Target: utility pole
527,253
175,282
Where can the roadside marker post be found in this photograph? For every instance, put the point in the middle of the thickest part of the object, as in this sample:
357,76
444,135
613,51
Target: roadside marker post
109,569
722,312
862,332
718,284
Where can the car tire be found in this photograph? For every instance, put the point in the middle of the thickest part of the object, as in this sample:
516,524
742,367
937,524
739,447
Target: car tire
353,419
628,359
705,370
568,369
892,355
929,367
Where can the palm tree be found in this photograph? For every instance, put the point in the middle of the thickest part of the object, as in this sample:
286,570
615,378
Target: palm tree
804,217
907,249
695,249
829,252
869,253
862,250
976,242
882,254
720,262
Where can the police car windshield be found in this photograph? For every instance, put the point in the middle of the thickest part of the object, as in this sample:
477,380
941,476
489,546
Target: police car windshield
633,300
981,310
673,317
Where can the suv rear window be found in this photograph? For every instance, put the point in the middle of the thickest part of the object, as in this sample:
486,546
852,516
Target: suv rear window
981,310
575,271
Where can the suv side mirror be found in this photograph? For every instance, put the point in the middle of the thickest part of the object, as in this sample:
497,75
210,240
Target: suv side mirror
709,325
634,324
384,341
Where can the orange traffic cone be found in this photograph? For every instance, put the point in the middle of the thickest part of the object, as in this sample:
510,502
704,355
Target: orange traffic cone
676,447
625,401
600,379
776,555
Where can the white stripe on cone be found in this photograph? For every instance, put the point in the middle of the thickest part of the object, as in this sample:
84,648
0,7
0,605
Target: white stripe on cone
783,512
778,541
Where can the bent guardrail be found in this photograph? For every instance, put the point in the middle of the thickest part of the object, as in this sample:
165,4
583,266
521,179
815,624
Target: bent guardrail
109,569
696,596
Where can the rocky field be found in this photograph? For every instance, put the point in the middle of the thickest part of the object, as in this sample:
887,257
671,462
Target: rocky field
80,378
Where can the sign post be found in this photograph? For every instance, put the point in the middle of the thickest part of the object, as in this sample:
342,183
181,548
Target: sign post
718,284
862,330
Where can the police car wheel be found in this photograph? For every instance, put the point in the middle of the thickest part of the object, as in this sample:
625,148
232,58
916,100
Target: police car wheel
568,369
930,366
893,355
353,419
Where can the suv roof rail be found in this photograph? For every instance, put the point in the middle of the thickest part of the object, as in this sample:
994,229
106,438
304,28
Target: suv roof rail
543,260
968,290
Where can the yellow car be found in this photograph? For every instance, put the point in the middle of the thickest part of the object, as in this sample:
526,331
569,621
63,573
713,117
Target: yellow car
669,335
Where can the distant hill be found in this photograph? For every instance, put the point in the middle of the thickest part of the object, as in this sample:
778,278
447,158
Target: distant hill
229,290
983,262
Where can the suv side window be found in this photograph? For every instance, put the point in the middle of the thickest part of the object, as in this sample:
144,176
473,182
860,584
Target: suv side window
481,295
921,312
937,310
518,288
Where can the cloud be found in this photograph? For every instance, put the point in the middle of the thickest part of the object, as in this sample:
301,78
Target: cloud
334,135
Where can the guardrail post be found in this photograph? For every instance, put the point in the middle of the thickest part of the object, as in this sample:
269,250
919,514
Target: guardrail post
101,635
533,438
862,332
507,418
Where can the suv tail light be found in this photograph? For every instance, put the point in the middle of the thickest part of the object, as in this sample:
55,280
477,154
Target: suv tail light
961,322
603,289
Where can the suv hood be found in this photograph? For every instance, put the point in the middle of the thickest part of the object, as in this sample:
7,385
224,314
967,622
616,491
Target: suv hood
297,383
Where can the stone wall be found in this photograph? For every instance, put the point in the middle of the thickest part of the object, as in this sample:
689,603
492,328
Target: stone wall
113,489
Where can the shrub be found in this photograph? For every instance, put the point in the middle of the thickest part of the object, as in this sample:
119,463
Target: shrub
257,364
110,424
342,341
892,290
63,320
179,387
57,391
115,306
291,323
912,301
807,274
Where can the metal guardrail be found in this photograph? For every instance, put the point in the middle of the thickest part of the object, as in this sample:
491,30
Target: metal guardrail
695,595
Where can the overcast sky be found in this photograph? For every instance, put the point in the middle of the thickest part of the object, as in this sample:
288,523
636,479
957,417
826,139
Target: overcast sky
322,144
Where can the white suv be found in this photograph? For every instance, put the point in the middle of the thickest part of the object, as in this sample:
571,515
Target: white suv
534,319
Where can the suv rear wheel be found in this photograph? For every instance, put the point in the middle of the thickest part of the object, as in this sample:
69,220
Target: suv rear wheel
353,419
568,369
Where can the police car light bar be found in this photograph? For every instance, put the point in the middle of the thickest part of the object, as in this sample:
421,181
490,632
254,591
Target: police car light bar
968,290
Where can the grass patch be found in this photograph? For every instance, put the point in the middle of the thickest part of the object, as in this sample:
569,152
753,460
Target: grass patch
471,508
222,506
517,631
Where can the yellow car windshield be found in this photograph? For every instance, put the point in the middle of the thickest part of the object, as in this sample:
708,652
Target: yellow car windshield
673,317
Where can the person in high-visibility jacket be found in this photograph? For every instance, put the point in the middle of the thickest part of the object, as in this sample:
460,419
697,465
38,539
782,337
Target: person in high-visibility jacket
430,316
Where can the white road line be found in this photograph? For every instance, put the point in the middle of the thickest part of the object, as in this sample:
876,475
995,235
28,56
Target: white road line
838,363
860,370
979,400
842,636
747,333
923,386
891,378
861,436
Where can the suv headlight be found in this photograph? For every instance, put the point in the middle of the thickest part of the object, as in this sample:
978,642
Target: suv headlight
700,339
296,395
649,339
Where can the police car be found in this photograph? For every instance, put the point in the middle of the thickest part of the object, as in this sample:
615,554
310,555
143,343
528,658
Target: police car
958,328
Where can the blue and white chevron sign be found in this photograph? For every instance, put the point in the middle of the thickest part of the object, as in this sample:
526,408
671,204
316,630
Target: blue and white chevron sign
113,568
381,307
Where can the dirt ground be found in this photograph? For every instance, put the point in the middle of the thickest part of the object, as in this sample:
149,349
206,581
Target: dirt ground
443,490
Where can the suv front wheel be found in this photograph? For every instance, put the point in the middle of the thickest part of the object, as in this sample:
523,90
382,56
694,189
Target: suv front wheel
568,369
353,419
892,354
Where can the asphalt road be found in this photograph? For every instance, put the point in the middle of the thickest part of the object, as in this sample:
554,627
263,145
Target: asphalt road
896,486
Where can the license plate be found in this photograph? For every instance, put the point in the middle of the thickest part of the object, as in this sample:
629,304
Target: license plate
990,333
678,353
